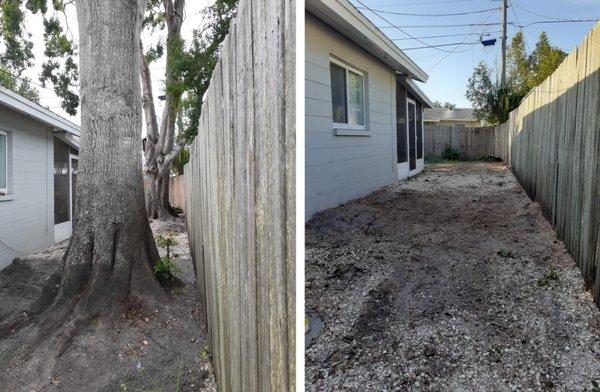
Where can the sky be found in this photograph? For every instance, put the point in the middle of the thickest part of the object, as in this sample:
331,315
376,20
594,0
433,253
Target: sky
448,73
193,20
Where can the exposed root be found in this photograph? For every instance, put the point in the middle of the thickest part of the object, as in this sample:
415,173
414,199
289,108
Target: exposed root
100,278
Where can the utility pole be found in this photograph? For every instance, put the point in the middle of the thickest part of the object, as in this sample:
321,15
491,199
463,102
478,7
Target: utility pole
504,32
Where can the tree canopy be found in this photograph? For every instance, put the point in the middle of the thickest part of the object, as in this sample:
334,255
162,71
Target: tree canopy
59,68
493,102
445,105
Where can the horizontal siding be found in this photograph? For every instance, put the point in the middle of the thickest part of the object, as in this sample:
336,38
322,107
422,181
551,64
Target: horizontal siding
341,168
27,221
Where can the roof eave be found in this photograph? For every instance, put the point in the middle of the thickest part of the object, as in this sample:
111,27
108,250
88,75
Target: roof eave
345,18
31,109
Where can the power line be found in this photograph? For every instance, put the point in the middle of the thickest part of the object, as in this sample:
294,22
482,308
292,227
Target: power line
514,3
512,7
398,28
440,36
491,24
553,22
441,45
426,2
457,46
428,15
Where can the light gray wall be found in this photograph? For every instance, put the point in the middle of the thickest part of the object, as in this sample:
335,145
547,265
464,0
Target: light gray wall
341,168
27,215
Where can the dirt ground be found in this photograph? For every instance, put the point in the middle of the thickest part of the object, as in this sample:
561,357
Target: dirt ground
450,281
157,350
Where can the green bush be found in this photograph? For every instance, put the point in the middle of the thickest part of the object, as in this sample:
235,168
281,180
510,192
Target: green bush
165,269
451,154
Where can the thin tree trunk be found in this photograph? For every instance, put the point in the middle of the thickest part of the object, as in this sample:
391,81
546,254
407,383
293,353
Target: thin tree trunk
159,148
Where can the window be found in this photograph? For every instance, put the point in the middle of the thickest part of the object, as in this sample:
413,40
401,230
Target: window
347,96
3,162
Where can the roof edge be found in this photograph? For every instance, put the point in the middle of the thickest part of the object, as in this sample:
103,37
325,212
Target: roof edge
348,20
31,109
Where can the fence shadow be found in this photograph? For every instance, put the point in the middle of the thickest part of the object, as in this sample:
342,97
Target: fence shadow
552,144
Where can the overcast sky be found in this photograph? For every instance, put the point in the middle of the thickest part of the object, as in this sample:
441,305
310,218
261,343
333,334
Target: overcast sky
192,21
448,73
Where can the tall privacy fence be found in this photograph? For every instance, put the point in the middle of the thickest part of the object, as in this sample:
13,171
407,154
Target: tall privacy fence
552,143
472,142
177,191
240,201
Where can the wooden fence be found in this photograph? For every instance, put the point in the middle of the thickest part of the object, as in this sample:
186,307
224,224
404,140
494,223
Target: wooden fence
240,190
177,191
472,142
552,143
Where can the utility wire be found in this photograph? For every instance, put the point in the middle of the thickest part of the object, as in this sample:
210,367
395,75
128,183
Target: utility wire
490,24
429,15
514,3
512,7
440,36
398,28
451,44
458,46
426,2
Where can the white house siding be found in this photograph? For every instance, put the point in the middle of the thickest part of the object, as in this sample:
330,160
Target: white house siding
27,215
341,168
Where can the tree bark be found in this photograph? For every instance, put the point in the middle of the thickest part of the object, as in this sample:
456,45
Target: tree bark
159,146
109,260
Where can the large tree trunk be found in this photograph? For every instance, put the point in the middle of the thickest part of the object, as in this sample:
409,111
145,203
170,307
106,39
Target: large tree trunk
112,251
109,262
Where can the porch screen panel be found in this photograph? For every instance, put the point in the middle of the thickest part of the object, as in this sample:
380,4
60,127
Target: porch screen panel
3,154
419,130
401,124
61,182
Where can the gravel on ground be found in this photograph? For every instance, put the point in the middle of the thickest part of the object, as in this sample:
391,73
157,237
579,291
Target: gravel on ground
449,281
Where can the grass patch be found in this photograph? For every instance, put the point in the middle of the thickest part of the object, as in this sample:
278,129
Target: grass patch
548,278
505,253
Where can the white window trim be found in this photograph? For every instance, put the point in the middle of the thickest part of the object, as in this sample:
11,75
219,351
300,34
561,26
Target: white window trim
5,190
346,126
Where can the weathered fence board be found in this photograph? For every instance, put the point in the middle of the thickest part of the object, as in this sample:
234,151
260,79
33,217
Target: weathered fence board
552,143
177,191
240,201
472,142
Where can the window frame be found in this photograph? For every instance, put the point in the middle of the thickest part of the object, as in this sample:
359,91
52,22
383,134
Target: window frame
347,125
5,189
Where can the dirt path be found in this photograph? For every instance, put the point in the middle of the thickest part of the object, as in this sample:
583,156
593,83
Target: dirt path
446,282
158,350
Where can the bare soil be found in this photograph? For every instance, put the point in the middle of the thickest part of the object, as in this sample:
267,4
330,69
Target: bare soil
450,281
147,349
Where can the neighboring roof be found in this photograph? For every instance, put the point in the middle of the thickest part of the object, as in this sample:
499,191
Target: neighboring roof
443,114
31,109
345,18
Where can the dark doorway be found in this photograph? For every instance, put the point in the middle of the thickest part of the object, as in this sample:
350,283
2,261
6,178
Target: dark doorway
412,134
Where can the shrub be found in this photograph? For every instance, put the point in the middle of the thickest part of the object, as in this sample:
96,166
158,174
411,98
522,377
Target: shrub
165,269
166,241
548,277
451,154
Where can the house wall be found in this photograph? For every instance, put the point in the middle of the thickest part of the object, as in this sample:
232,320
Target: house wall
27,213
341,168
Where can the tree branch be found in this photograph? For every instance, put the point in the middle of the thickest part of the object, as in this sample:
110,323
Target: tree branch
148,99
